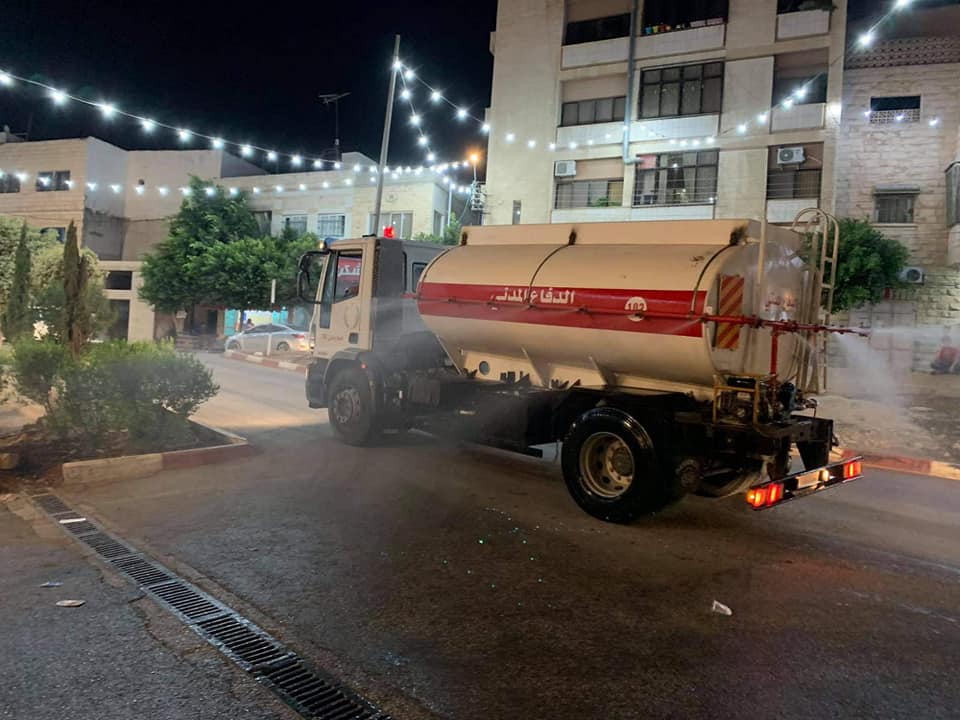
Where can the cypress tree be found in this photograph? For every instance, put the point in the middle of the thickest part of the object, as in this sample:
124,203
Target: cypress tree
17,315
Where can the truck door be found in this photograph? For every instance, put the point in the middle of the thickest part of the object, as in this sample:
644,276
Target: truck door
342,317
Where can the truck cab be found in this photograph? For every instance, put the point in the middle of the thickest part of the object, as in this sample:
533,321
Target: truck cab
363,292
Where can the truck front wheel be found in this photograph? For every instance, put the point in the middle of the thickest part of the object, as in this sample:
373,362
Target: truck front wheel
351,408
611,468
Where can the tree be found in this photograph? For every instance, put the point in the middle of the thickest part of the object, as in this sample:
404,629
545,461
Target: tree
17,320
451,235
49,299
10,231
174,276
868,264
76,323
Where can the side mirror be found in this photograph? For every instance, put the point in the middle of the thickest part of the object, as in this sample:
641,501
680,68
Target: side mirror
309,275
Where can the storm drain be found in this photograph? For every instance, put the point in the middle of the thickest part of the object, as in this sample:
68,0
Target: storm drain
308,691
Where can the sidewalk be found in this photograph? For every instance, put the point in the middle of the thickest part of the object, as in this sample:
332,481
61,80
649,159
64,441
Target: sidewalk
296,362
117,656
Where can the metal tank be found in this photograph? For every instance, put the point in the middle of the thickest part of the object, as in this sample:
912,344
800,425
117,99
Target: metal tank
619,304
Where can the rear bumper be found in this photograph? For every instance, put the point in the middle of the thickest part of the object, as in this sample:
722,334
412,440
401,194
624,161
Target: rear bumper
771,493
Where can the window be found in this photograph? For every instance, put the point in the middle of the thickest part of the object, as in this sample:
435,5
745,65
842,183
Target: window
437,224
794,181
9,183
295,223
342,282
953,194
676,178
601,110
402,223
894,208
588,193
120,310
118,280
264,219
604,28
53,180
515,217
331,226
59,232
682,90
418,268
886,110
789,6
667,15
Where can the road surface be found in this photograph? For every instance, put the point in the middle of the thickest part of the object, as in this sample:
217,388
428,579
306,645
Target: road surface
458,582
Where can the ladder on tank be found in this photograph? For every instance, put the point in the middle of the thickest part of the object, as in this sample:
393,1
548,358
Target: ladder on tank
822,231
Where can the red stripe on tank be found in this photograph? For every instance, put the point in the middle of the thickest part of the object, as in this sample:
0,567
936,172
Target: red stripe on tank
592,308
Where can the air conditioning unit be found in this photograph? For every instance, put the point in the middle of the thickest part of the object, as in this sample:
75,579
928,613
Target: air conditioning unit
790,155
912,275
565,168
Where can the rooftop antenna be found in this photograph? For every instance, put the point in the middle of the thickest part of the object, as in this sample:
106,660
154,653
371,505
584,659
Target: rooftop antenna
334,99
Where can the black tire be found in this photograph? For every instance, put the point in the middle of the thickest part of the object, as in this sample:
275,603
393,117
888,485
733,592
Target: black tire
625,480
351,409
233,345
282,346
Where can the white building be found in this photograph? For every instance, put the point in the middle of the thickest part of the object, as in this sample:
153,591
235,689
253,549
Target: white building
121,202
685,120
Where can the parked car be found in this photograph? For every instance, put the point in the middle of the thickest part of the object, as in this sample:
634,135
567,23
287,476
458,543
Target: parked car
282,338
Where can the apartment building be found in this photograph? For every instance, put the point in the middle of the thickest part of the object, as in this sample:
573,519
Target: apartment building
121,202
899,167
708,109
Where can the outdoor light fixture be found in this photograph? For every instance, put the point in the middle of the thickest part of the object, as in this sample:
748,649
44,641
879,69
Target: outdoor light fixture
116,189
510,137
210,191
147,124
325,184
91,186
552,146
162,190
422,140
866,39
435,96
337,166
296,160
184,135
256,191
414,119
409,74
405,94
318,164
461,113
272,156
485,128
301,187
139,189
800,92
572,146
234,191
762,118
59,97
107,109
5,79
531,143
431,157
186,191
742,128
217,143
788,103
246,150
934,122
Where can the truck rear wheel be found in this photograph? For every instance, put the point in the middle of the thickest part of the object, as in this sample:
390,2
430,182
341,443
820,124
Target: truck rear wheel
611,468
351,409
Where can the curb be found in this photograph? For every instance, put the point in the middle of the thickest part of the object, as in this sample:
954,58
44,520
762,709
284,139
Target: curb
265,361
914,466
128,467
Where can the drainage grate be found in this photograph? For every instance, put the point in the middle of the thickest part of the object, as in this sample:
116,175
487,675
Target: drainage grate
246,644
315,696
141,571
105,546
312,694
51,503
184,600
80,527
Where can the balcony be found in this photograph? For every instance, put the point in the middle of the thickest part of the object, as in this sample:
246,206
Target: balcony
798,117
803,23
621,214
598,52
679,42
690,126
784,211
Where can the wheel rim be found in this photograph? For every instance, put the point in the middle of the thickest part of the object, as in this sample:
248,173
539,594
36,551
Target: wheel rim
346,406
606,465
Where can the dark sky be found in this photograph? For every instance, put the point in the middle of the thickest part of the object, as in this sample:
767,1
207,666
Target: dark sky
250,74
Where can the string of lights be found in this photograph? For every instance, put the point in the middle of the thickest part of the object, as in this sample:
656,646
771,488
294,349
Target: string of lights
186,136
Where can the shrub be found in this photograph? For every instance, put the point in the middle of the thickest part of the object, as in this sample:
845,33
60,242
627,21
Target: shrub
147,391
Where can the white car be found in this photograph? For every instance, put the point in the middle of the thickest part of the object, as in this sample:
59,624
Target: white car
282,338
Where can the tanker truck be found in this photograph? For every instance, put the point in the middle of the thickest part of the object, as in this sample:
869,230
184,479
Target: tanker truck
665,357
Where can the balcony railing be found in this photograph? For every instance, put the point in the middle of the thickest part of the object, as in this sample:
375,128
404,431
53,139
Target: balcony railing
588,194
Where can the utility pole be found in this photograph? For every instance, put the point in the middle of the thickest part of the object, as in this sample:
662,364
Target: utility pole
334,99
385,143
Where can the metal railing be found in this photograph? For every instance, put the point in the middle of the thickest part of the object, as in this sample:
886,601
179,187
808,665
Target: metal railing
588,193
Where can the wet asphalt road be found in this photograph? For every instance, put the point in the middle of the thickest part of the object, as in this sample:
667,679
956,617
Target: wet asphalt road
451,582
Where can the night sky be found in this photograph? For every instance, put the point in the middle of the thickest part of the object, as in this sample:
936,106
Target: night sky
249,75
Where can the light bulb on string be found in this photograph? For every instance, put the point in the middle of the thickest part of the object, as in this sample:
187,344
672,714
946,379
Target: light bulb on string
301,187
234,192
435,96
217,143
5,79
246,150
431,157
210,191
318,164
184,134
59,97
422,140
296,160
148,125
163,190
414,119
326,184
405,94
866,39
485,128
934,122
337,166
461,113
742,128
762,118
510,137
272,156
409,74
107,109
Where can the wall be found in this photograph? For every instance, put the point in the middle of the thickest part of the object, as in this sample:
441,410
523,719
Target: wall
171,169
913,154
141,323
524,100
45,209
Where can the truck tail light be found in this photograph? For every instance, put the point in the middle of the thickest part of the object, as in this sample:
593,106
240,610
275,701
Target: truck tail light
300,336
852,469
766,495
